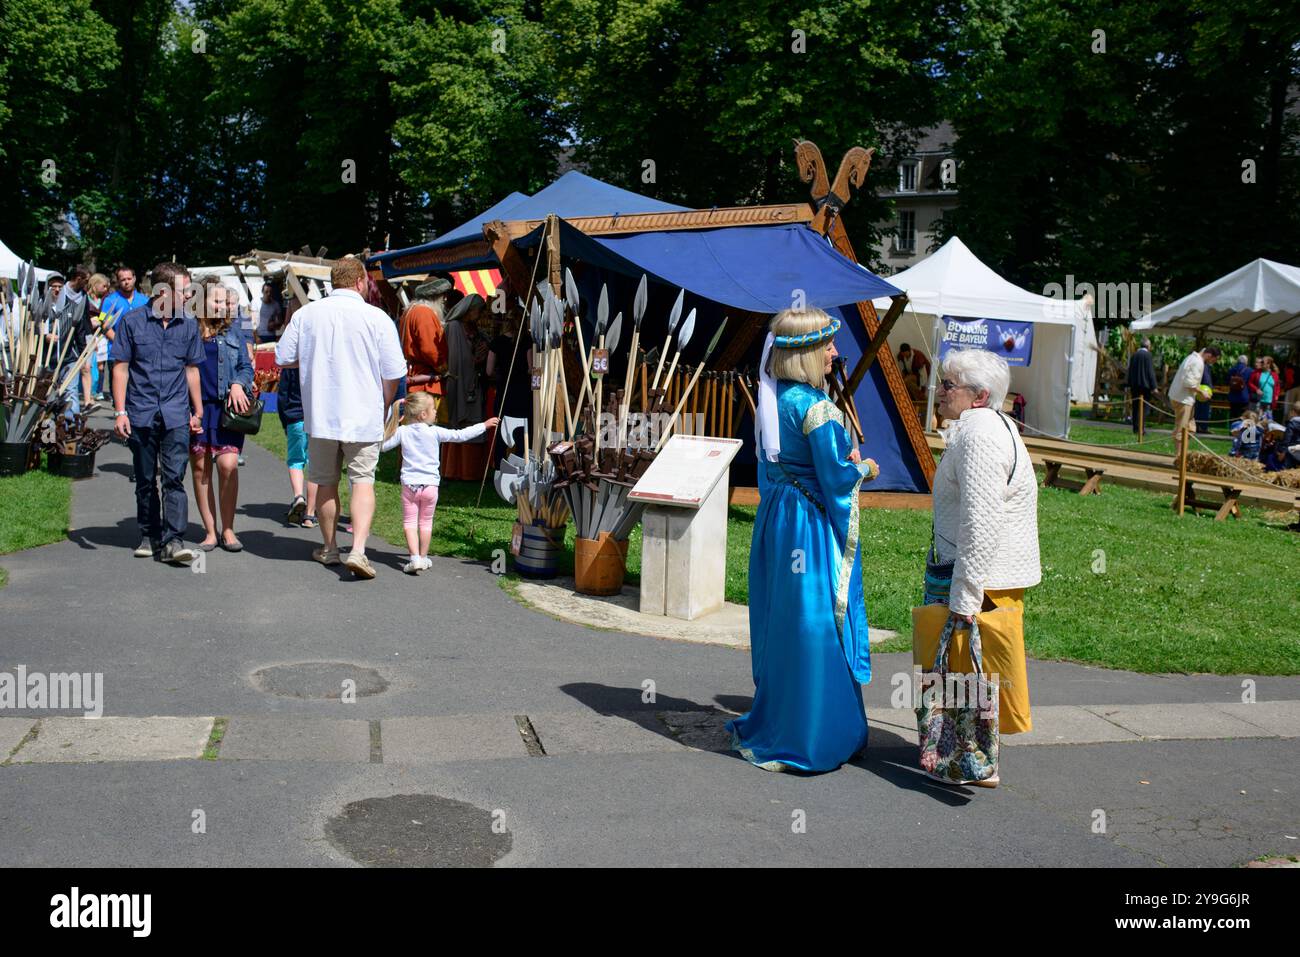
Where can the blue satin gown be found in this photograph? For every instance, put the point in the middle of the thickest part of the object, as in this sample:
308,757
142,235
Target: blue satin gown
807,617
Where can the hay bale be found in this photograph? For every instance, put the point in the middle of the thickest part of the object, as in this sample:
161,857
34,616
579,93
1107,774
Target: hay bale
1207,463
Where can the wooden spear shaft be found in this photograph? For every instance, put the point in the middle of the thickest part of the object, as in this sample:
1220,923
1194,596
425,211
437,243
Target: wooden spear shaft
627,388
689,389
600,383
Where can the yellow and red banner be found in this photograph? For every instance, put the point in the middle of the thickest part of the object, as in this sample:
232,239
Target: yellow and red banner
481,281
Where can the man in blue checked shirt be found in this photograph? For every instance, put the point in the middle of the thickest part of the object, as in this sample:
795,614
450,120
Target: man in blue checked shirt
157,404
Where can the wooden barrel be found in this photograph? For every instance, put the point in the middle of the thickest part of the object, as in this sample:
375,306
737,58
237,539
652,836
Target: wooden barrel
599,565
539,551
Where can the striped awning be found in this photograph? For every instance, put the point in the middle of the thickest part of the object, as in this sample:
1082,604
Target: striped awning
482,281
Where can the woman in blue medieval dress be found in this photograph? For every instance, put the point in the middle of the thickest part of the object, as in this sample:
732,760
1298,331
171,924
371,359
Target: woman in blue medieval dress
807,618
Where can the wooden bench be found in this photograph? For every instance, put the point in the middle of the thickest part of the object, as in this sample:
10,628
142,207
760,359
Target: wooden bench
1092,471
1231,496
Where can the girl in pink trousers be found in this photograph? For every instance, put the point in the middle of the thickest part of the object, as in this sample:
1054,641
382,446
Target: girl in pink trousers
420,440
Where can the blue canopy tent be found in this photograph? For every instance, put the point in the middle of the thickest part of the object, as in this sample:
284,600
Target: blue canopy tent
573,194
758,269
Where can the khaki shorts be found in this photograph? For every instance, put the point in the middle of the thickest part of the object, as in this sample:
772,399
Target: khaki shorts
327,457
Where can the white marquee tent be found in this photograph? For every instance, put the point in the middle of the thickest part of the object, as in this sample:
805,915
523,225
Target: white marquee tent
954,282
9,261
1260,302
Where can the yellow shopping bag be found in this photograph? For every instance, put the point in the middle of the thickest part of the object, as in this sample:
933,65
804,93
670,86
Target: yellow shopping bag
1002,637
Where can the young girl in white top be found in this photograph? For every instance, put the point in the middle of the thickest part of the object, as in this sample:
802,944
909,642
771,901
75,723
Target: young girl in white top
420,440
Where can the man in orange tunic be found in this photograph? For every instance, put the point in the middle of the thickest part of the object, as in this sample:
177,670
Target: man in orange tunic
423,341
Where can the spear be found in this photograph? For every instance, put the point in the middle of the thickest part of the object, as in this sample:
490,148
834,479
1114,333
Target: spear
713,344
571,297
673,318
602,319
688,327
586,356
611,343
638,313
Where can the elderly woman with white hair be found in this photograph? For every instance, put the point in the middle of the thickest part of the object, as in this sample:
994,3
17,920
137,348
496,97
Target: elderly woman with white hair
985,549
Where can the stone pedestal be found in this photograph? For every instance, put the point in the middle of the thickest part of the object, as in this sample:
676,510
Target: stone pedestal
684,557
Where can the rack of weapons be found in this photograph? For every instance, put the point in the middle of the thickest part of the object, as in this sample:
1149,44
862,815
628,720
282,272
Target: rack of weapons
604,446
30,358
64,436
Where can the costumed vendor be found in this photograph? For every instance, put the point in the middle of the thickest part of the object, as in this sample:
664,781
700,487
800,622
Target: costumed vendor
807,616
462,391
915,368
423,341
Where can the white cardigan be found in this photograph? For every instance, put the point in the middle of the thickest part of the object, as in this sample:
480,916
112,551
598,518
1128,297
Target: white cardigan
987,526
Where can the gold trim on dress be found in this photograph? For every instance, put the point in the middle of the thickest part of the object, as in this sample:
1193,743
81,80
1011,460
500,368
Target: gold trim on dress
818,415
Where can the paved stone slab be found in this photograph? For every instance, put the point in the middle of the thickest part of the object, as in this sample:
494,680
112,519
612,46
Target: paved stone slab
451,738
13,730
296,739
1278,717
1066,724
1178,721
116,739
588,732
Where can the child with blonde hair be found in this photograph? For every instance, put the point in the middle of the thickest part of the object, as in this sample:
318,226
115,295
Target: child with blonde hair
421,442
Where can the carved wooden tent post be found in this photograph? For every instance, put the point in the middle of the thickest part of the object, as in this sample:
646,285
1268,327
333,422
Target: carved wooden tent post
827,201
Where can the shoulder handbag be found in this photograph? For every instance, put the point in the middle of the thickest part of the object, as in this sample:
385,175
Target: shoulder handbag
248,423
958,734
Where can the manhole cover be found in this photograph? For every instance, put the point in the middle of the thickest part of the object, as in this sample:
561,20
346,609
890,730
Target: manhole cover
418,830
319,679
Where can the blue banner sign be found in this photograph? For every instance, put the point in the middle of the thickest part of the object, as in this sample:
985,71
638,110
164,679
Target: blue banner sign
1013,341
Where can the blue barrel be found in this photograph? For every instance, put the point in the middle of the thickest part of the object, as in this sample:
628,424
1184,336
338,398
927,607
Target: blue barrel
539,551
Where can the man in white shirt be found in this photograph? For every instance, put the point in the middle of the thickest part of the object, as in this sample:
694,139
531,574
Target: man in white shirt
350,362
1186,381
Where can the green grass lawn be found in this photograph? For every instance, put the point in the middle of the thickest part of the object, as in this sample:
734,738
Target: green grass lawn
33,511
1180,595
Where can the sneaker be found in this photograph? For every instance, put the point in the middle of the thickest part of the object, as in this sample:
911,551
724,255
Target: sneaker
178,553
146,549
426,562
326,556
297,510
241,460
360,565
414,566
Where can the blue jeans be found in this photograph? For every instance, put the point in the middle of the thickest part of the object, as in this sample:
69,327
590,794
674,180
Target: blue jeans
160,453
72,397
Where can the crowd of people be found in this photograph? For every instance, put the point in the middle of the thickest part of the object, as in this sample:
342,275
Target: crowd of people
1262,392
183,387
